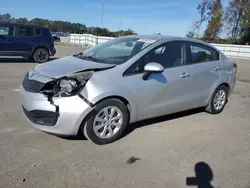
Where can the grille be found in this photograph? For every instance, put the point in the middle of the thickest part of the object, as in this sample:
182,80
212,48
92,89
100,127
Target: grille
32,85
41,117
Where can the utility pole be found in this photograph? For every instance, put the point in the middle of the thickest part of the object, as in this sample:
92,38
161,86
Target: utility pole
102,13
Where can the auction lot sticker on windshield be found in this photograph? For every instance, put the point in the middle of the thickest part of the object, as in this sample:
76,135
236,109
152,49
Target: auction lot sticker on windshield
146,40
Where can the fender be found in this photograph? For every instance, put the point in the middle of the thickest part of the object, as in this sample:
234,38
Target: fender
224,80
131,103
93,96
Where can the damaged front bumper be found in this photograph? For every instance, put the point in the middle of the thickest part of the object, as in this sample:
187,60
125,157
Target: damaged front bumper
61,115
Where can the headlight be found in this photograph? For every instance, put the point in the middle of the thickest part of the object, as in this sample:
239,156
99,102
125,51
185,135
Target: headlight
66,87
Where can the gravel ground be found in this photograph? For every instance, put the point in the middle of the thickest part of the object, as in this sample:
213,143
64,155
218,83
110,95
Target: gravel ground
168,147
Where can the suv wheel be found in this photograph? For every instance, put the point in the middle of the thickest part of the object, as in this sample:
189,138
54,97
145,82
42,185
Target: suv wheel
218,100
107,122
41,55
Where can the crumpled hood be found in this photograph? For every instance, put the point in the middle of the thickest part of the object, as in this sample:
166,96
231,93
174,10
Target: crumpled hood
68,65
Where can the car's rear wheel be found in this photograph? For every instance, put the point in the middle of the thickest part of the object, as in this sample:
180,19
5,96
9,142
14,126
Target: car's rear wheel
218,100
41,55
107,122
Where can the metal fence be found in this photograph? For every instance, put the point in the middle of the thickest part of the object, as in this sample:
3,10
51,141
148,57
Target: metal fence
87,39
238,51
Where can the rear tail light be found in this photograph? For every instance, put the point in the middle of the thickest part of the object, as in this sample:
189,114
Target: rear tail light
235,67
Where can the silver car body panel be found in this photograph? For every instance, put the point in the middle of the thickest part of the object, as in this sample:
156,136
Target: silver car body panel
67,65
34,75
72,111
163,93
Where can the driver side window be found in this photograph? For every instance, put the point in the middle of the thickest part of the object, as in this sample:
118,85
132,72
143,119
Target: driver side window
6,30
169,55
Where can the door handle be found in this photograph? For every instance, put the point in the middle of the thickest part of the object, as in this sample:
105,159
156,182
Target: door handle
216,68
184,75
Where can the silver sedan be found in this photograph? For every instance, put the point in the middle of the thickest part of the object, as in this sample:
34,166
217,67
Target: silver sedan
125,80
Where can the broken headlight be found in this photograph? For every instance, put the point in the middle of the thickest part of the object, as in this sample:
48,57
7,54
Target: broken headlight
67,86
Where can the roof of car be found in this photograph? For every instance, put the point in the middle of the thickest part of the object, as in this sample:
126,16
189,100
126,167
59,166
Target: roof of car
168,37
158,37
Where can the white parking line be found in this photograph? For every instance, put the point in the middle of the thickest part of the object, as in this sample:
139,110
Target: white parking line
15,89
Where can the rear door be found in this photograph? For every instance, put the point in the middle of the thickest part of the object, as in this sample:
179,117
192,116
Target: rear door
24,40
206,71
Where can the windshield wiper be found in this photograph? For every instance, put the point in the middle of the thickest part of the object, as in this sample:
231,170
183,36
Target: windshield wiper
92,59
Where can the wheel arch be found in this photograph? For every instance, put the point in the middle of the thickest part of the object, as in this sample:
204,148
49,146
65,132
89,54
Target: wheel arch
221,84
37,46
122,99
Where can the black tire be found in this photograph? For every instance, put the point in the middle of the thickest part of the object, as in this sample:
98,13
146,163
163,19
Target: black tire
211,106
41,55
88,128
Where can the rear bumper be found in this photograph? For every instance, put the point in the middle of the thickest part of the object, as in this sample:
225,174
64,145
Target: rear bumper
63,117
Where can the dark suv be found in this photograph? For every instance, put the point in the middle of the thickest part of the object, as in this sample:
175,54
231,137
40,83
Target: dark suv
29,41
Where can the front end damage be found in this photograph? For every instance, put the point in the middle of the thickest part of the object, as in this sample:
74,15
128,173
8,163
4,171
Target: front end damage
56,105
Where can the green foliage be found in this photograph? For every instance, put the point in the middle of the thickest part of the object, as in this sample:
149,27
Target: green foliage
65,26
202,8
215,23
235,18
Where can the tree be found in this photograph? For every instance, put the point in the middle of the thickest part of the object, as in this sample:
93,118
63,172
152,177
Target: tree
22,21
203,12
192,30
6,18
127,32
215,23
245,31
236,17
65,26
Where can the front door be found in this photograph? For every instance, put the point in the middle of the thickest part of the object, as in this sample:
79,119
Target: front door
162,93
205,65
6,37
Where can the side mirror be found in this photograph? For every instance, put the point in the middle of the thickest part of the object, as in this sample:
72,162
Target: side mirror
152,68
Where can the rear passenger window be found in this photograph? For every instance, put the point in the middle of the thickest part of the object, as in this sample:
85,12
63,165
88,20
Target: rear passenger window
26,31
37,32
200,53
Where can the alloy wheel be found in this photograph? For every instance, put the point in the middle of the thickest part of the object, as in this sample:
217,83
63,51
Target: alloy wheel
220,99
108,122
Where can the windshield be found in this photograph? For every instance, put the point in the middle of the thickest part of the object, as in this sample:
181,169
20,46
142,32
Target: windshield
116,51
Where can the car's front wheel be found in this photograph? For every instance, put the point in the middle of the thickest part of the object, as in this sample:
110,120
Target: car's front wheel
107,122
41,55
